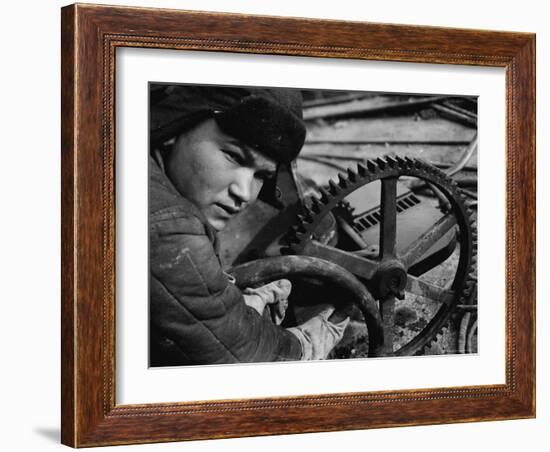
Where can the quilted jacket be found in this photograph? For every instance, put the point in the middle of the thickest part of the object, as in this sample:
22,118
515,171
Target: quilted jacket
197,316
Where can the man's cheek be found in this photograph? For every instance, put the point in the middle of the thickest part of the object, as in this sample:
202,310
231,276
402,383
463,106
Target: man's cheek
256,190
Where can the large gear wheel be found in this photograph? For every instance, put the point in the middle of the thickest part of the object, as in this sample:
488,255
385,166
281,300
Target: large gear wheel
388,274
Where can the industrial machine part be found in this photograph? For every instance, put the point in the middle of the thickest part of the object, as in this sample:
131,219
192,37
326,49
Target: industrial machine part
353,225
391,272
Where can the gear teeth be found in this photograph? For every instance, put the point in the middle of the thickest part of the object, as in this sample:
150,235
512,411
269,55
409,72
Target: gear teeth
361,169
352,175
428,168
315,205
402,161
325,195
342,181
468,288
303,219
308,214
372,166
333,187
381,163
391,161
409,162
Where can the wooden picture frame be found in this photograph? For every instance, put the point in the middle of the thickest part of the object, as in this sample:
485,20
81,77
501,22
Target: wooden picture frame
90,36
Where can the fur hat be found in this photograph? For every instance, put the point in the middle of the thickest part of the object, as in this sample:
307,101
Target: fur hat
267,119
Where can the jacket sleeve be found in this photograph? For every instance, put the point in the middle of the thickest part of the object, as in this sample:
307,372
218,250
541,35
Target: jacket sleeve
193,304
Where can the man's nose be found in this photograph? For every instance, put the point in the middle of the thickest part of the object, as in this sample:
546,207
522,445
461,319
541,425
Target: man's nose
243,186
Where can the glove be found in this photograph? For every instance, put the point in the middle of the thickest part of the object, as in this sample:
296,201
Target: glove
274,294
318,335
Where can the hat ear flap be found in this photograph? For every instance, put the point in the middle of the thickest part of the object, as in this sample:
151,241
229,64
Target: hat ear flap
270,193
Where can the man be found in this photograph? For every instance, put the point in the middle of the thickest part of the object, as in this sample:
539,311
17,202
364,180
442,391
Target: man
223,144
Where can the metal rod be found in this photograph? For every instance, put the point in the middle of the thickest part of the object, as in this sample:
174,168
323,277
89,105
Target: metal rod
348,229
391,142
454,115
464,157
388,223
359,110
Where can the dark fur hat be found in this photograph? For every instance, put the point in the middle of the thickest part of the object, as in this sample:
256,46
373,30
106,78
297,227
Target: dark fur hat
267,119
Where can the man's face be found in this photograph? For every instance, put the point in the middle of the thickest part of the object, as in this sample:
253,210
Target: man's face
218,173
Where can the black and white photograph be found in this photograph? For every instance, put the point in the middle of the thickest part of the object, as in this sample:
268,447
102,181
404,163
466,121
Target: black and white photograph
246,226
292,224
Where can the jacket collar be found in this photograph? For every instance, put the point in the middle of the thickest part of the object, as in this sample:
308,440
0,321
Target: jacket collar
158,160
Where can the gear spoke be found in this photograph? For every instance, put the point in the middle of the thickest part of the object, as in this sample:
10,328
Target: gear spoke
388,222
434,259
424,289
359,266
387,312
423,243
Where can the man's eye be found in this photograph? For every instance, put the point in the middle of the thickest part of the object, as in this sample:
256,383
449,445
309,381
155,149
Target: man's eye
233,157
264,177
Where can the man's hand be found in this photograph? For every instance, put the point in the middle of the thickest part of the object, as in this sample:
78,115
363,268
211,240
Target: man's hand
274,294
318,335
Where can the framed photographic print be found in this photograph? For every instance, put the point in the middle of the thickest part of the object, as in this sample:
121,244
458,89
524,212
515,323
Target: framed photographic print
278,225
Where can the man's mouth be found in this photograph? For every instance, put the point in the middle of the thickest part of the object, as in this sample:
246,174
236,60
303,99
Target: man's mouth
230,210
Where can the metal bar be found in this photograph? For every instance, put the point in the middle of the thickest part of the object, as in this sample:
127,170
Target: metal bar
357,109
470,337
352,233
387,312
464,157
388,222
445,166
424,289
384,141
455,116
459,110
357,265
423,243
323,161
469,193
434,259
467,182
462,332
333,100
331,156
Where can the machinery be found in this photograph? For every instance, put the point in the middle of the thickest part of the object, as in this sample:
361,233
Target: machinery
390,240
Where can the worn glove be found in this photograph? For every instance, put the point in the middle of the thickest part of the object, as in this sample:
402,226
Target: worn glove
274,294
318,335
